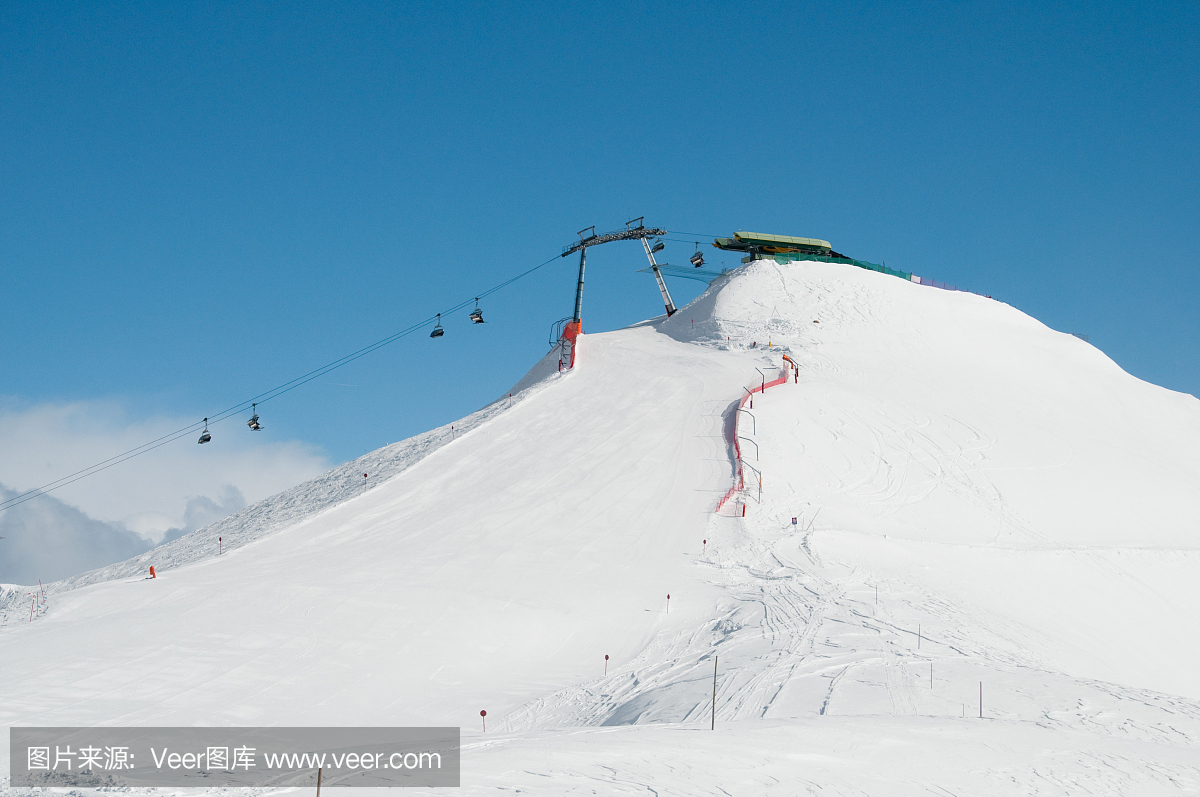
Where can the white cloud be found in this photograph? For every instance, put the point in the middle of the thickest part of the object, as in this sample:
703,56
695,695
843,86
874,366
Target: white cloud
162,494
48,540
204,510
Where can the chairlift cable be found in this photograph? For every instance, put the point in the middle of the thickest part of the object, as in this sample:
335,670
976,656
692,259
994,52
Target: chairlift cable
701,234
259,399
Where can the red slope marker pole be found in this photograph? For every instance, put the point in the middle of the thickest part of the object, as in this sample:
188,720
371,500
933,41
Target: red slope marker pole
668,603
606,664
221,550
704,550
32,606
483,715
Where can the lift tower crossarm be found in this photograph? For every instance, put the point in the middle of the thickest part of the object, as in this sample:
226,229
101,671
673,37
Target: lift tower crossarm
608,237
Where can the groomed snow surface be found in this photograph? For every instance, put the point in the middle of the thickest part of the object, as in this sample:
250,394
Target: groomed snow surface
980,500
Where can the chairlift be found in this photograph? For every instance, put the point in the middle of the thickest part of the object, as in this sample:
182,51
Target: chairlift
698,258
658,247
476,314
253,422
204,436
438,331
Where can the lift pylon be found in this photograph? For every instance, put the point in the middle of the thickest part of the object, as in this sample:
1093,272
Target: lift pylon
639,232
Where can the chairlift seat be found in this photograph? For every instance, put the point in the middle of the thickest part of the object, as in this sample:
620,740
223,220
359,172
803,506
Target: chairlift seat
437,332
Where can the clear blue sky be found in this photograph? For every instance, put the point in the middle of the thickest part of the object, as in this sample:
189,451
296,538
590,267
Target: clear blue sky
203,200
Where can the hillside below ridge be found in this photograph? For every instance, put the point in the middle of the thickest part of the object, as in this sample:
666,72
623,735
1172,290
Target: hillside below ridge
980,382
825,316
286,508
952,495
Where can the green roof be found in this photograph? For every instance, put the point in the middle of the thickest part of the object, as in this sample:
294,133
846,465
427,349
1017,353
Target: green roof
780,240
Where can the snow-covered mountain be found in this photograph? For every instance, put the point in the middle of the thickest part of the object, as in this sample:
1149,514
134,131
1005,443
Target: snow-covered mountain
981,503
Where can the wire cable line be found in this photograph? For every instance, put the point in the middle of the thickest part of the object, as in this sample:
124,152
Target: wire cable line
261,398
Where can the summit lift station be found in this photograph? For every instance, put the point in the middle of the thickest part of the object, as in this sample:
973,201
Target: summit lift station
640,232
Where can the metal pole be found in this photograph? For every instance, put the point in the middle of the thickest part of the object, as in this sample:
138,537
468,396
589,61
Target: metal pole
759,473
579,286
662,286
714,708
319,781
751,418
748,440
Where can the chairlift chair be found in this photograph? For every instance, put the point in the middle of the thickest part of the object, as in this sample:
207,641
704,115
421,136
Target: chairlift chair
438,331
204,436
476,314
698,258
253,422
658,247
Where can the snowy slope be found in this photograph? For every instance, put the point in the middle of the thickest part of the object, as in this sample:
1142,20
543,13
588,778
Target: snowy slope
289,507
1004,488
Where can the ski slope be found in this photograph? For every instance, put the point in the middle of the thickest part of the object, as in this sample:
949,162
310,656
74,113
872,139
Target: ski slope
980,500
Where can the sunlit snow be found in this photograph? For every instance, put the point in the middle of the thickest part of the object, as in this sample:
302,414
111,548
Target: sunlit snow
980,501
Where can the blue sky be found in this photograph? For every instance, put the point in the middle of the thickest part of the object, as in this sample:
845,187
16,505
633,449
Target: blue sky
202,201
